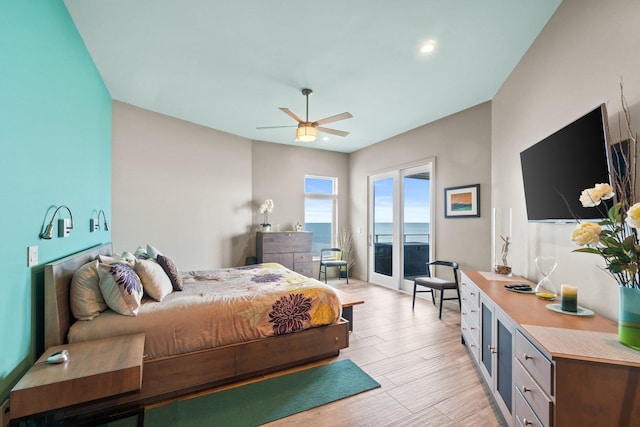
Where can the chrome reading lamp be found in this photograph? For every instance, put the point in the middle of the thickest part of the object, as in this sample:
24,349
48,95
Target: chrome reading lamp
65,225
94,225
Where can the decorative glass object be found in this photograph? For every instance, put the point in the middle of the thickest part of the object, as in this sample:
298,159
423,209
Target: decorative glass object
501,226
629,317
546,289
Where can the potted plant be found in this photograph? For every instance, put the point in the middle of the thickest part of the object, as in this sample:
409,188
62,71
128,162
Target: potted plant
265,208
615,238
345,243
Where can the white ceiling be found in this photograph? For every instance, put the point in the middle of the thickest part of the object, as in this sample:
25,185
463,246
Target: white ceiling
229,65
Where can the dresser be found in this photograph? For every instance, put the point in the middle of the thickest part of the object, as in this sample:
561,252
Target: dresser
289,248
546,368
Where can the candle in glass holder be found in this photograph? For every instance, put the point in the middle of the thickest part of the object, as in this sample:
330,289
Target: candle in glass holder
569,298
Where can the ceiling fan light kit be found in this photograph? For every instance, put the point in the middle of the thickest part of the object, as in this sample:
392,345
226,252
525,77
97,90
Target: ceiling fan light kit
308,131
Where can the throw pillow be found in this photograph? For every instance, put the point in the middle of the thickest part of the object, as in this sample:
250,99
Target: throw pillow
155,281
141,253
171,269
85,297
120,287
152,252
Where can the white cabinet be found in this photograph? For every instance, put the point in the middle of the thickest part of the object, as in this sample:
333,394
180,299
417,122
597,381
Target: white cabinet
544,368
496,354
470,316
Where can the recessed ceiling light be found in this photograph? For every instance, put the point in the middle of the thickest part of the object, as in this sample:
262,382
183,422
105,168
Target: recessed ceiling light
325,138
428,46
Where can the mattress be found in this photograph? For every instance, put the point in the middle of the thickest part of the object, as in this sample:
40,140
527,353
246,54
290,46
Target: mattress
221,307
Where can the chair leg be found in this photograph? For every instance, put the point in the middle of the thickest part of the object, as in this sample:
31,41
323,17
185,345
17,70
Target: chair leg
347,267
413,304
433,295
440,311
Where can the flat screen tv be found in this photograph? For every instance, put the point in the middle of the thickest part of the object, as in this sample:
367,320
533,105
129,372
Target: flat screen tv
557,169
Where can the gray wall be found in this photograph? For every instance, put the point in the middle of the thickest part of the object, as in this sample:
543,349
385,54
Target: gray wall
461,145
575,64
193,192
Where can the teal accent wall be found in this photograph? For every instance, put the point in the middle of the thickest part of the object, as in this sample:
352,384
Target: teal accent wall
55,148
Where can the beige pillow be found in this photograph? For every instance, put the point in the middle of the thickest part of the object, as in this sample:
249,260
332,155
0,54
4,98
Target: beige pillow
85,297
120,287
155,281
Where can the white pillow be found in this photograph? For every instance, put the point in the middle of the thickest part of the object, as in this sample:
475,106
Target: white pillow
125,258
152,252
155,281
85,297
141,253
120,287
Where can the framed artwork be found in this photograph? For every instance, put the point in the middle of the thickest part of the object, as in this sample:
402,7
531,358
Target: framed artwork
462,202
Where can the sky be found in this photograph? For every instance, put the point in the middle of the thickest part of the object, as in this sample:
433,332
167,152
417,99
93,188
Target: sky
416,200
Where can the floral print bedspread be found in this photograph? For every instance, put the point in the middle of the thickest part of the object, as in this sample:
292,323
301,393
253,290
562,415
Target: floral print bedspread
222,307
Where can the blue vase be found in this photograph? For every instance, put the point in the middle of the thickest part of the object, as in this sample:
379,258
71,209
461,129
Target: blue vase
629,317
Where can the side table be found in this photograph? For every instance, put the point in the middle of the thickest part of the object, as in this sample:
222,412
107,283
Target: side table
95,370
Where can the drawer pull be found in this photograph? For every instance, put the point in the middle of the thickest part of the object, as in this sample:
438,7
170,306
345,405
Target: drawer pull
527,357
473,311
525,389
492,349
473,294
527,422
473,329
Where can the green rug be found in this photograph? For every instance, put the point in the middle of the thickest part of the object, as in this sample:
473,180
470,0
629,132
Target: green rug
264,401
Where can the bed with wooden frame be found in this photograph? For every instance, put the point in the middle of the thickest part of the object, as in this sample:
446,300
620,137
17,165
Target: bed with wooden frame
173,376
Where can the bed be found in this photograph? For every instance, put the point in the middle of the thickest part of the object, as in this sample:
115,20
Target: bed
196,365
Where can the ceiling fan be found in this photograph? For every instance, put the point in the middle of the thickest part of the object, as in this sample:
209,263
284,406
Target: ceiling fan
308,131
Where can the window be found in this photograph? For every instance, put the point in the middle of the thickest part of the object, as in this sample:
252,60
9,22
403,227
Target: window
320,210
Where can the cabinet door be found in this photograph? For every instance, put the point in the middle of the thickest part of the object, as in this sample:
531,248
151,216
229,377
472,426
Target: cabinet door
486,338
505,340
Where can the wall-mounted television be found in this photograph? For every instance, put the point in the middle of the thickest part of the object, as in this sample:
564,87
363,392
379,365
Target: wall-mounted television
557,169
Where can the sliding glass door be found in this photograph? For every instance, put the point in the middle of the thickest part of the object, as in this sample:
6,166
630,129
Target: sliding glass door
400,232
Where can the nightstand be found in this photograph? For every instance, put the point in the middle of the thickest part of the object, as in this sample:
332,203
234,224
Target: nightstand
95,370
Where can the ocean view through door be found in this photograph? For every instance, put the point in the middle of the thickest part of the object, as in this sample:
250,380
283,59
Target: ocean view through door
400,226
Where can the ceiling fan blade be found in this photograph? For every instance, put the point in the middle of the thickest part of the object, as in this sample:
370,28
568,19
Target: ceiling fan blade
275,127
292,114
333,131
335,118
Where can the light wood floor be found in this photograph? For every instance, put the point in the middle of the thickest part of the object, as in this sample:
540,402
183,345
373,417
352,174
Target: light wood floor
427,375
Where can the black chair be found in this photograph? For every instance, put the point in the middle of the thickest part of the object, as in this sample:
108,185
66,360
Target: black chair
437,284
332,257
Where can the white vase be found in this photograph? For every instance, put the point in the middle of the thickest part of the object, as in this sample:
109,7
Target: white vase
265,227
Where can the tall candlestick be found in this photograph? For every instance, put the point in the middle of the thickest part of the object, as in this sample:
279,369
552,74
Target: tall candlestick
569,298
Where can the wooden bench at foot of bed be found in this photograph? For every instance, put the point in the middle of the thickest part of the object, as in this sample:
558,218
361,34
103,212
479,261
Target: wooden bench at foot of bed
169,377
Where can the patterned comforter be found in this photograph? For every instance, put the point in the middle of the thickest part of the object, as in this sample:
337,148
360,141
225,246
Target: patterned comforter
222,307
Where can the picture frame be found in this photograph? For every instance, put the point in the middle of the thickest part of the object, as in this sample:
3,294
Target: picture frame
462,201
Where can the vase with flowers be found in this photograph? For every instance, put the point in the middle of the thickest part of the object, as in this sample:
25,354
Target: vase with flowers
265,208
615,238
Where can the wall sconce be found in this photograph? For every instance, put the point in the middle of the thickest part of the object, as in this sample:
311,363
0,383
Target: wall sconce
94,224
65,225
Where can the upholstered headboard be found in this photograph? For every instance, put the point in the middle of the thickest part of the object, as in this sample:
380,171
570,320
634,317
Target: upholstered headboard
57,281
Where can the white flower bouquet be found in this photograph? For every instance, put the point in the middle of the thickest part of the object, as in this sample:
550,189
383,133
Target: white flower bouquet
265,208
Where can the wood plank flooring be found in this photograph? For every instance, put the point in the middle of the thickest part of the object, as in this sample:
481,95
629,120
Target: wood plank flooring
427,375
